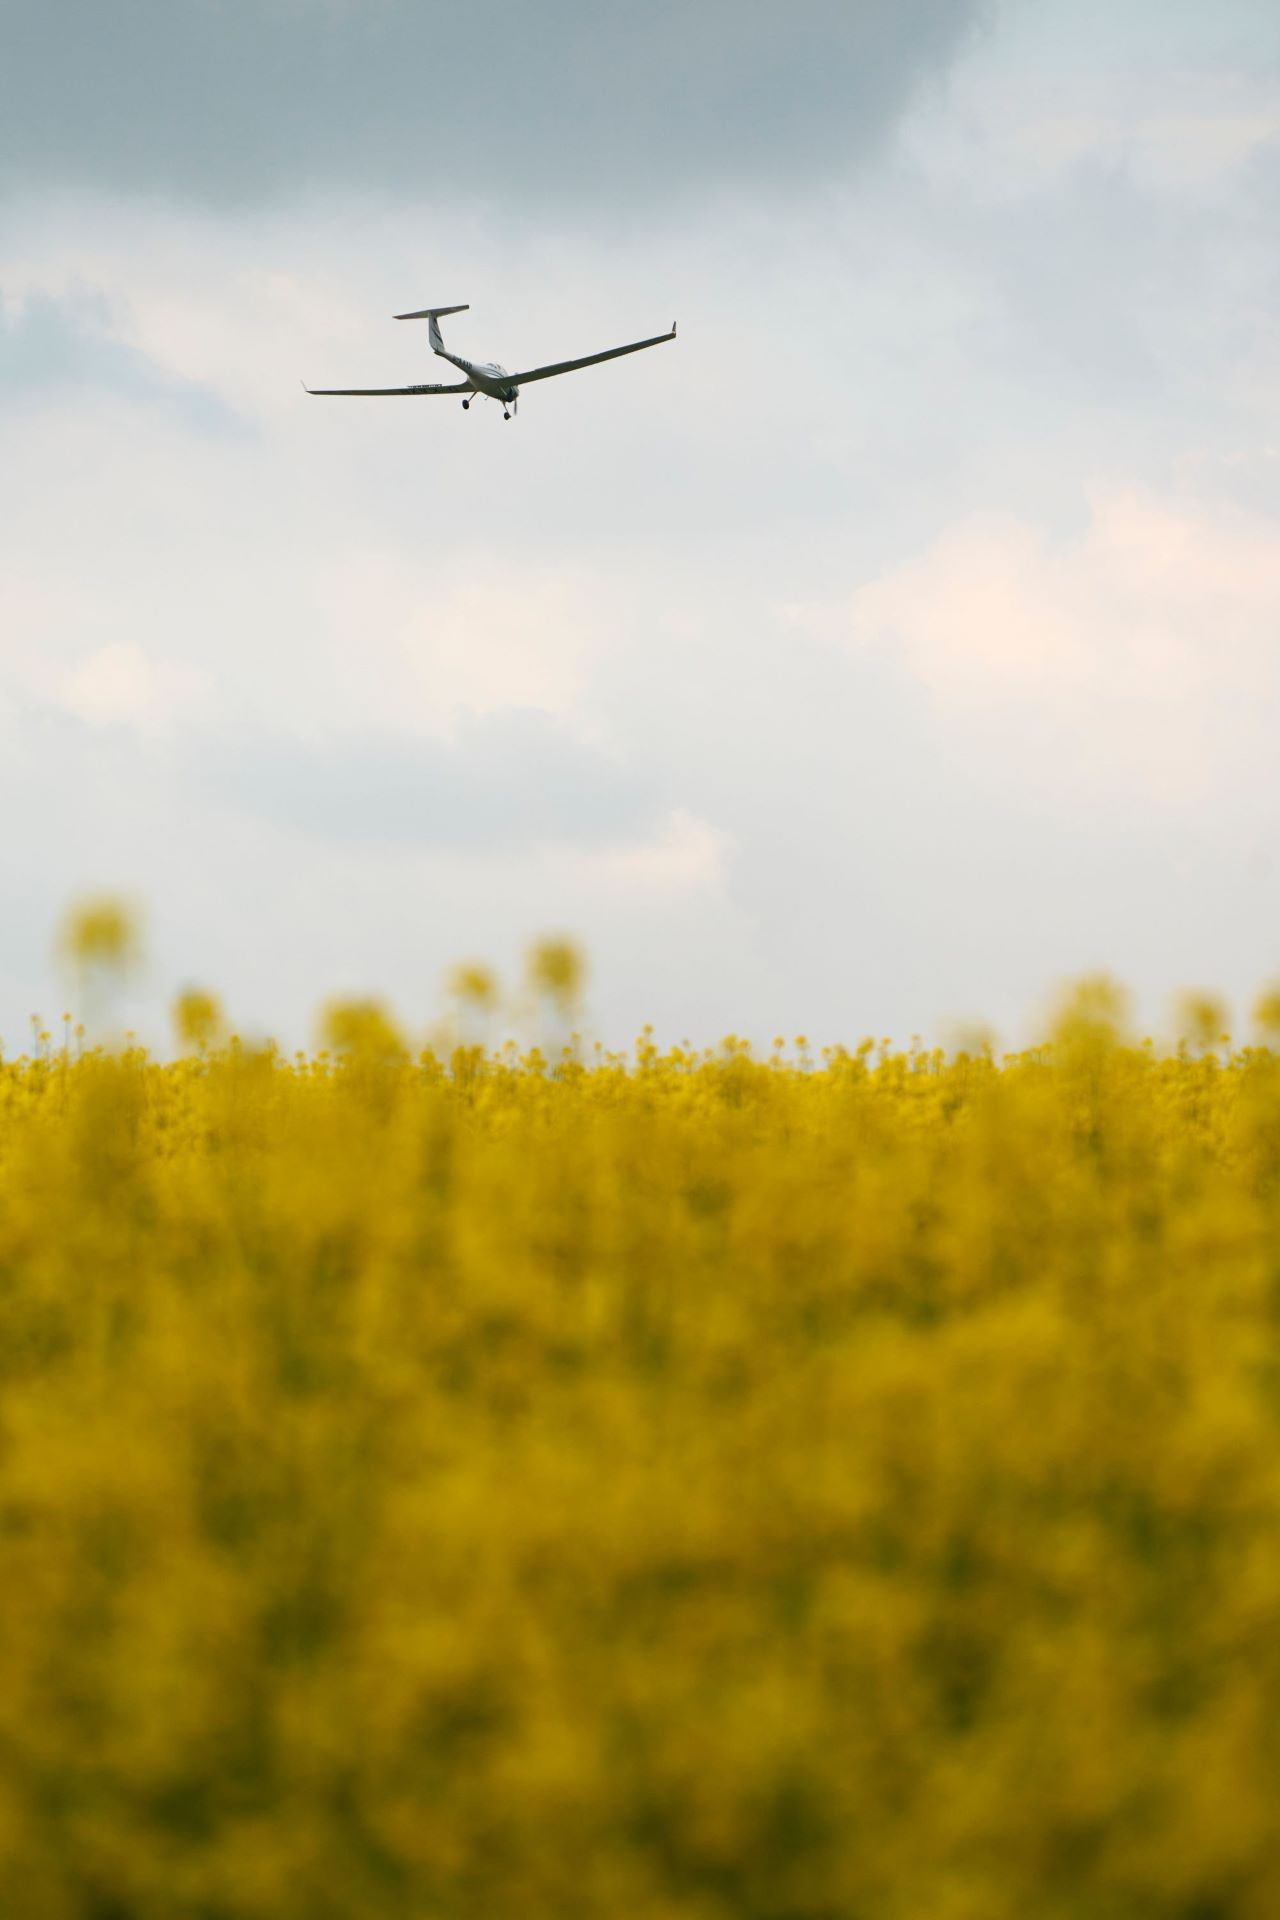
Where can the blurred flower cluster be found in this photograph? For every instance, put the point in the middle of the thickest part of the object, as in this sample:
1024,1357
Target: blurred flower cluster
686,1485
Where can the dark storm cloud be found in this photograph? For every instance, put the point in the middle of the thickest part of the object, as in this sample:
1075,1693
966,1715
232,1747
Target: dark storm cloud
566,101
50,346
507,782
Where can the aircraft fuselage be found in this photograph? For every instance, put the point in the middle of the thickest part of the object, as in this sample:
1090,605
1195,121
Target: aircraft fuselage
485,377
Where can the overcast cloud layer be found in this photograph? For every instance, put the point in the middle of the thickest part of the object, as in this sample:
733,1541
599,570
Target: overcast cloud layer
902,640
565,102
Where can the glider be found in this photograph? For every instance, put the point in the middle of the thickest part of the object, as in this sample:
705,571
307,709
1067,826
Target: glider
485,376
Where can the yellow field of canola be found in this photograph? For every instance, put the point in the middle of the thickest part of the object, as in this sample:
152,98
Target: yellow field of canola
671,1488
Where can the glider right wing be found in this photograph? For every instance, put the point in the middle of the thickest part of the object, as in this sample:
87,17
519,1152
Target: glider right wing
590,360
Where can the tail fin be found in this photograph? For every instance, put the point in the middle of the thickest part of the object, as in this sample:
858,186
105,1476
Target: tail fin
432,316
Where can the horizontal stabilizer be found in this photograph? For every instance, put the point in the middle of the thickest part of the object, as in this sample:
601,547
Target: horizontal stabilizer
432,313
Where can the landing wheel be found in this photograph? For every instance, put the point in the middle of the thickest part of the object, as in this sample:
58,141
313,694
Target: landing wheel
465,405
506,416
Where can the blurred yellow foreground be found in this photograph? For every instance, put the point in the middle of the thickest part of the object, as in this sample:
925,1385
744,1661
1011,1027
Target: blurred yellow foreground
686,1487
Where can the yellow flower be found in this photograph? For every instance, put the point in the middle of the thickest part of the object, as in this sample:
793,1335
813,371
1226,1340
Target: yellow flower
474,986
102,934
362,1030
197,1019
557,971
681,1482
1201,1020
1266,1012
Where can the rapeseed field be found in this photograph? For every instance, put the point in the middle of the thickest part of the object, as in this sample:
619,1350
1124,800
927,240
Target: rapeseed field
500,1486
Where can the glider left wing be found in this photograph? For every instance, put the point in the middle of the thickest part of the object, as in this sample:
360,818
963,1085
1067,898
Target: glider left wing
458,386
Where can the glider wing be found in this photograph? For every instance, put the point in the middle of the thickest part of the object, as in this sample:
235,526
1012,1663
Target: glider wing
458,386
591,360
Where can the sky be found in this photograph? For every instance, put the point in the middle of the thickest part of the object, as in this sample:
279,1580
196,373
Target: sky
900,643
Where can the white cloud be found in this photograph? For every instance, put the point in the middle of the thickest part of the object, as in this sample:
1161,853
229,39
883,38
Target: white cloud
435,648
1185,103
48,659
1107,657
122,685
686,857
1188,138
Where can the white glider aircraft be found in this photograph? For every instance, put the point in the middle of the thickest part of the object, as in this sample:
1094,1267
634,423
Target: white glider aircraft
485,376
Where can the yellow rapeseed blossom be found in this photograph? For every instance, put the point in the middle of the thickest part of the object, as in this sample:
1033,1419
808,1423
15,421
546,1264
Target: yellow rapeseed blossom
361,1030
197,1019
1266,1013
557,971
687,1486
101,933
474,987
1202,1020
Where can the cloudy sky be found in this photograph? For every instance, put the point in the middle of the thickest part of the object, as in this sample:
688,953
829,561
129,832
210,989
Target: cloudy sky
903,640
